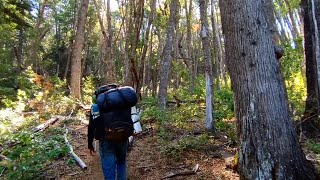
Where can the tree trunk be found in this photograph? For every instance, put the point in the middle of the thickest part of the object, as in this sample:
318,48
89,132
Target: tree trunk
75,81
271,21
110,65
292,20
19,50
165,63
269,148
282,31
189,43
108,75
33,54
216,43
135,20
311,39
145,47
147,68
208,64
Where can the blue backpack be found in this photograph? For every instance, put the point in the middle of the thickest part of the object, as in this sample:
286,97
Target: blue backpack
115,110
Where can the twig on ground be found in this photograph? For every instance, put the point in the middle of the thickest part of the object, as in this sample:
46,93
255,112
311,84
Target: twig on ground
78,160
147,166
72,174
183,173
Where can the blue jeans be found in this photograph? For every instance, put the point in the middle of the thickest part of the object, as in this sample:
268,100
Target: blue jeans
113,159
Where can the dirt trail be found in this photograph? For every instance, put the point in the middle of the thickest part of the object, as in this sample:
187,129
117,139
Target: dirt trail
144,162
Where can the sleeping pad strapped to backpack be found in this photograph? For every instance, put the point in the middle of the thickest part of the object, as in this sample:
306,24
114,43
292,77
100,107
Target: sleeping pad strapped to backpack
115,110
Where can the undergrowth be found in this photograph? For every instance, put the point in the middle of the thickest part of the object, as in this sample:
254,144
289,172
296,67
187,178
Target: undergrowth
30,152
182,129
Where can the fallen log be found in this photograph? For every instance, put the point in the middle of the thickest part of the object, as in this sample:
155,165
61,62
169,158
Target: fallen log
43,126
38,128
179,101
75,157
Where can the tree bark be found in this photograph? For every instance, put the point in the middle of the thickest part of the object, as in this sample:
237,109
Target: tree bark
292,20
269,148
19,50
33,54
311,44
145,47
165,63
216,43
75,81
189,44
107,73
110,65
208,64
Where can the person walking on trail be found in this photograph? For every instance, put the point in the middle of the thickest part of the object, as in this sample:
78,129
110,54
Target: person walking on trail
110,123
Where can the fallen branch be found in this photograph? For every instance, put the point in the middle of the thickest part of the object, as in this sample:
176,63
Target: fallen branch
78,160
309,157
179,101
182,173
2,171
43,126
73,174
306,119
2,157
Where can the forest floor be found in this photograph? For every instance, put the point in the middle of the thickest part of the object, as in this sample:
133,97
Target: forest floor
145,162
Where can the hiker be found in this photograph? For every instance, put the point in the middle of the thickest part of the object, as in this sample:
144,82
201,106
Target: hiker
110,123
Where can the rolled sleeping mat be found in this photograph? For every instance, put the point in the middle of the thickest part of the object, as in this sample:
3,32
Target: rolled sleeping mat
123,97
135,116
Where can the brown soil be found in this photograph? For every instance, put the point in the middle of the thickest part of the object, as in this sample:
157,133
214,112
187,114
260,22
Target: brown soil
145,162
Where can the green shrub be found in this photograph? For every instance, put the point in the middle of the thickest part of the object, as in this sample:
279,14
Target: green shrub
313,146
32,152
224,105
174,149
152,112
88,89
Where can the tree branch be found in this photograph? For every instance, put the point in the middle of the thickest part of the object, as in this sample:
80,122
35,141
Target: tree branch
78,160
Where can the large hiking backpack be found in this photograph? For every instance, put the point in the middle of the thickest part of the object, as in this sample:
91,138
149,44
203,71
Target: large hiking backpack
115,109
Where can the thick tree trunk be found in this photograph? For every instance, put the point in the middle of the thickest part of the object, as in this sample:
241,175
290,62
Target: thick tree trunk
165,63
269,12
311,44
269,148
75,81
208,64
